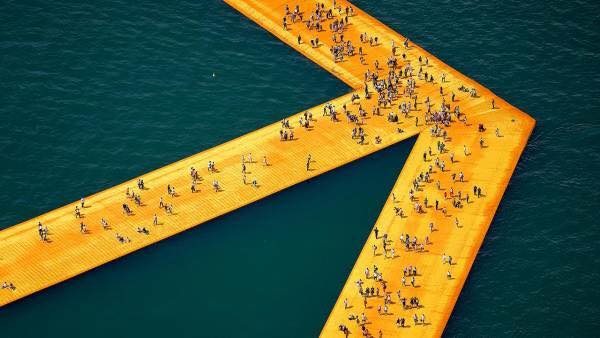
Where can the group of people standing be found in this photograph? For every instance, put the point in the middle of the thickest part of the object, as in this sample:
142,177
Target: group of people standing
399,83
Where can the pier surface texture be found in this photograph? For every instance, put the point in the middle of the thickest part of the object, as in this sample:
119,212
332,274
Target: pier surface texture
470,157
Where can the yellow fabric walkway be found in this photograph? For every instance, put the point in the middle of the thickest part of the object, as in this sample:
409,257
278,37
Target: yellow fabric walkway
32,264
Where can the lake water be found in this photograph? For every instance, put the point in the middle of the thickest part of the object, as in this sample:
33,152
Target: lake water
95,93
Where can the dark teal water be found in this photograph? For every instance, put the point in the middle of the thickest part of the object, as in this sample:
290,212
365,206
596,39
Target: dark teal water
94,93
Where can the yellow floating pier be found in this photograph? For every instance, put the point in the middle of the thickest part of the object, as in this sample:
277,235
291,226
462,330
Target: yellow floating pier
471,157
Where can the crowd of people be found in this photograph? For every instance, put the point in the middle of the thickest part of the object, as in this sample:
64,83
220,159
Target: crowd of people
397,90
397,86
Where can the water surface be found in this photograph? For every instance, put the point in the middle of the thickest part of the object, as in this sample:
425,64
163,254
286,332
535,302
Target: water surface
93,94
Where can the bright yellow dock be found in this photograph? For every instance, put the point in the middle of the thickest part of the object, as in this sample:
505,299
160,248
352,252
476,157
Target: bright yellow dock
489,167
32,265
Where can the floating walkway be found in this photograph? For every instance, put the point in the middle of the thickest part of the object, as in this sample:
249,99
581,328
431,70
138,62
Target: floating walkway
31,264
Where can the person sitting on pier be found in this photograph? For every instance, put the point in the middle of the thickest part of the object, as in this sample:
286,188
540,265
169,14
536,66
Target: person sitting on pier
122,239
8,285
398,211
143,231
